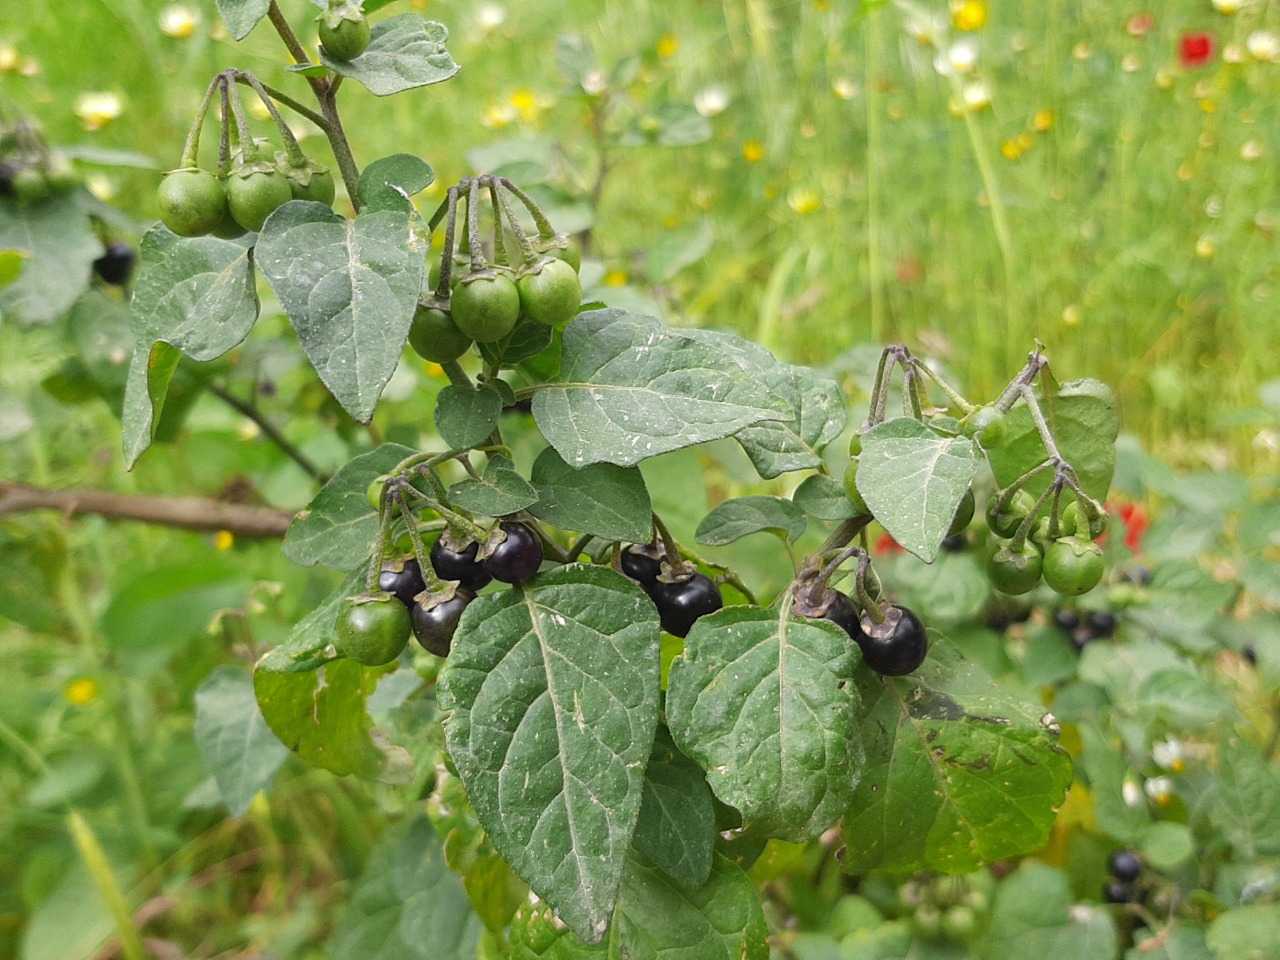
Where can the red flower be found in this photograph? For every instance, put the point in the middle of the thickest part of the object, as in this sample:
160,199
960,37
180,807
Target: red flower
1136,520
1195,50
886,544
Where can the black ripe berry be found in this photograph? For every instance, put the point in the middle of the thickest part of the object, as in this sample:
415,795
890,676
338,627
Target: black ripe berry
641,565
681,603
955,544
1117,891
1124,866
1066,620
516,558
460,565
844,615
434,628
403,578
897,645
115,266
1101,624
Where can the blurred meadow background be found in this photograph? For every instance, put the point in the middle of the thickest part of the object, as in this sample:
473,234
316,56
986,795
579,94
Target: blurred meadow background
966,177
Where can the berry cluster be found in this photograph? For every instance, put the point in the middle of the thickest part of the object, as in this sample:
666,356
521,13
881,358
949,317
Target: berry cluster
956,909
30,171
681,594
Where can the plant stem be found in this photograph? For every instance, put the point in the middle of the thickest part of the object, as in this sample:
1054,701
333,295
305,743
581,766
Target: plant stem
191,148
95,861
296,106
269,430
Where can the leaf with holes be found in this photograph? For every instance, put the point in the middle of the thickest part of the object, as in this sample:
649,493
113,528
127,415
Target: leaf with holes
630,388
765,703
959,773
553,688
913,480
350,288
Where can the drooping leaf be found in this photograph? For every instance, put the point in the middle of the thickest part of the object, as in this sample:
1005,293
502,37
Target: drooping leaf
312,641
407,905
237,745
1243,803
389,182
465,416
498,492
763,701
822,497
320,714
338,527
350,288
743,516
1082,417
603,499
58,246
404,52
913,480
677,826
958,773
1033,917
241,16
553,688
194,295
630,388
818,417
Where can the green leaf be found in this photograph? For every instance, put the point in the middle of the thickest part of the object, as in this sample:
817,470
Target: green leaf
659,919
1182,697
959,773
59,246
321,716
71,923
312,641
671,252
1104,765
11,265
1243,802
408,904
677,826
465,416
350,288
796,443
608,501
764,703
101,329
338,527
1176,941
242,16
630,389
1083,420
553,688
499,492
1246,933
822,497
537,934
954,588
1183,601
1033,917
237,745
1167,845
743,516
913,480
195,295
388,183
527,340
404,52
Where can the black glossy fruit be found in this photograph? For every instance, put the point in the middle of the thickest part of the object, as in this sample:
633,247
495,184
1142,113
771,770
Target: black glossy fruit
116,264
402,578
844,615
1117,891
897,645
434,628
638,564
1101,623
1124,865
1066,620
955,543
8,168
682,603
459,565
516,558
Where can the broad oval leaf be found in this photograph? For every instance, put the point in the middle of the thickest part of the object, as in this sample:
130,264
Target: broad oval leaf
350,288
338,526
1243,804
404,52
58,245
1033,917
241,16
913,480
408,904
194,295
796,443
630,388
765,703
498,492
389,182
743,516
609,501
465,416
1246,933
237,745
823,497
1083,420
959,773
677,826
553,688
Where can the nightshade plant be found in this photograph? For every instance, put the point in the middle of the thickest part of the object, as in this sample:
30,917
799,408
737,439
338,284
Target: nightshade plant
605,781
